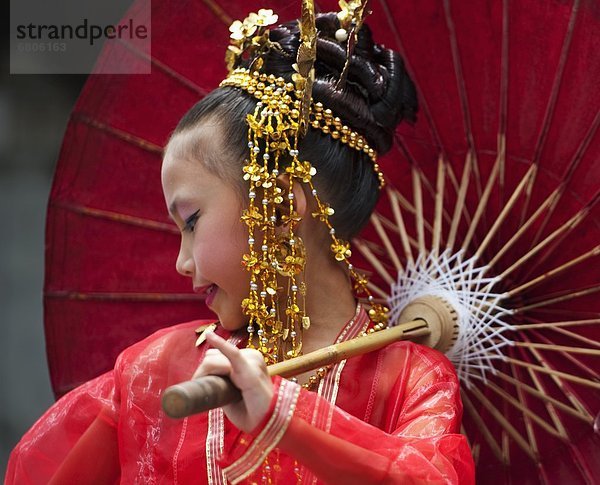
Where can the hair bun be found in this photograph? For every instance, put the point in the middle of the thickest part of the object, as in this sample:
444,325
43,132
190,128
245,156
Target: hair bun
378,93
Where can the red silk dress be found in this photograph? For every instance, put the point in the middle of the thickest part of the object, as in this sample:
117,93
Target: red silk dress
391,416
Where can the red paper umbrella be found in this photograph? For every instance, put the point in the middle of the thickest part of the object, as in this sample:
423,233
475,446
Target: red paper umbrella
491,204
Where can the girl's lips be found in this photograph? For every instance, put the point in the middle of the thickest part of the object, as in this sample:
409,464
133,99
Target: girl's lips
210,293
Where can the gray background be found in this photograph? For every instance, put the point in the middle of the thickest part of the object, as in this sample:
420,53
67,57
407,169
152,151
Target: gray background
34,111
33,115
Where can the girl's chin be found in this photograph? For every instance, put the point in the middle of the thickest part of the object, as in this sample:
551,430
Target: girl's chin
230,322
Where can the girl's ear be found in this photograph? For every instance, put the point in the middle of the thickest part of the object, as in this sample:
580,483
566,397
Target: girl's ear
300,203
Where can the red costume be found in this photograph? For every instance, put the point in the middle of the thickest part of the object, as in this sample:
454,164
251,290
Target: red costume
391,416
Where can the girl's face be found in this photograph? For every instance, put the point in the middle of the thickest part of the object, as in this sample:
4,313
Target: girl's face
207,210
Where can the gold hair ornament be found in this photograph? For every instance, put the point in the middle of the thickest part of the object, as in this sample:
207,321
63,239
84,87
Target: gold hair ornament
319,118
351,16
276,257
250,38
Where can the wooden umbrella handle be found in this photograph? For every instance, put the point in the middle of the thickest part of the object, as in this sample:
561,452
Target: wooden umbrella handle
208,392
199,395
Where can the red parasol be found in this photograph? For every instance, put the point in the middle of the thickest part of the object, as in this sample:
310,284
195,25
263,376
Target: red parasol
507,107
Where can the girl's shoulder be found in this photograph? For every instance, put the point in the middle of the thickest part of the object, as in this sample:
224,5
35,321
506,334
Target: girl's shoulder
419,360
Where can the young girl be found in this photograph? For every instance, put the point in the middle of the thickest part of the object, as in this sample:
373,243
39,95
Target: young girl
390,416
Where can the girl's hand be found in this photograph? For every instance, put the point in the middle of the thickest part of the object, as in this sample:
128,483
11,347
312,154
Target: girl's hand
247,370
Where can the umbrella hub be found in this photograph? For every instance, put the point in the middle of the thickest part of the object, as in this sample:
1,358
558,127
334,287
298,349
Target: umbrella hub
477,326
441,318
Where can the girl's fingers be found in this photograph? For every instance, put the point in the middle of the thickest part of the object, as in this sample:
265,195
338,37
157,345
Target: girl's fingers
213,369
216,364
247,365
230,351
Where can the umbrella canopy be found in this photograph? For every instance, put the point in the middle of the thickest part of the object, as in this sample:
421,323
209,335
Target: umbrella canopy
499,165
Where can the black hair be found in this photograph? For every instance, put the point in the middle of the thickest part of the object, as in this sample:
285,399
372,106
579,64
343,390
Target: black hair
377,95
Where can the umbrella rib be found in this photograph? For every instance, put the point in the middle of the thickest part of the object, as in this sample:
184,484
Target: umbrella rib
522,229
413,163
550,274
575,161
555,244
462,93
576,336
564,297
110,296
424,180
551,106
375,289
564,386
402,200
554,416
115,216
553,98
527,413
401,227
418,199
566,227
166,69
409,208
545,397
554,373
123,135
462,192
504,212
558,348
568,311
504,423
377,249
545,340
218,11
557,325
392,227
386,242
452,177
474,447
482,426
504,70
422,101
529,428
483,201
439,201
369,256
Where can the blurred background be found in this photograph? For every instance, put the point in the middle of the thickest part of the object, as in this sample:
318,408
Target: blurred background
34,110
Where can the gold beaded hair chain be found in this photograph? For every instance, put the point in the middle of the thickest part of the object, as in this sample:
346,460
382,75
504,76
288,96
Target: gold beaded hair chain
276,257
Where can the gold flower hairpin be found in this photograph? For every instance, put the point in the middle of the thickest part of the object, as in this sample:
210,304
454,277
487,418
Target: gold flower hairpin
250,37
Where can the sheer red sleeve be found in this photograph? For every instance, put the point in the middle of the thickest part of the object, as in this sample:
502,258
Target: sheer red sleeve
420,420
411,433
74,441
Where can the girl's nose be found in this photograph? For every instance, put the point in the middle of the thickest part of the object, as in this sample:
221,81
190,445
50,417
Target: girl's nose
185,262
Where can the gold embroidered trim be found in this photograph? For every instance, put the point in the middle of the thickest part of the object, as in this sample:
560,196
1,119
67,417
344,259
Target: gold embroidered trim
269,437
215,439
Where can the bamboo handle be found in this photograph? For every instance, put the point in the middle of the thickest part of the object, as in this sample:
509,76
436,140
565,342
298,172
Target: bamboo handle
350,348
210,392
199,395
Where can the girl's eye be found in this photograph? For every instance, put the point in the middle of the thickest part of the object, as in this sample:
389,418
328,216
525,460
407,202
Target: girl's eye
190,222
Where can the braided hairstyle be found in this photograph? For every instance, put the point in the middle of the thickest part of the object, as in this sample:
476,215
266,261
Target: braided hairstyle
377,95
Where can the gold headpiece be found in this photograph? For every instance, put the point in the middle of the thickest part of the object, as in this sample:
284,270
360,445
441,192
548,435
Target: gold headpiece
283,111
320,118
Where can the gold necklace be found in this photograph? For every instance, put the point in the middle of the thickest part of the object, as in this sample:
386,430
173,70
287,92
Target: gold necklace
317,377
